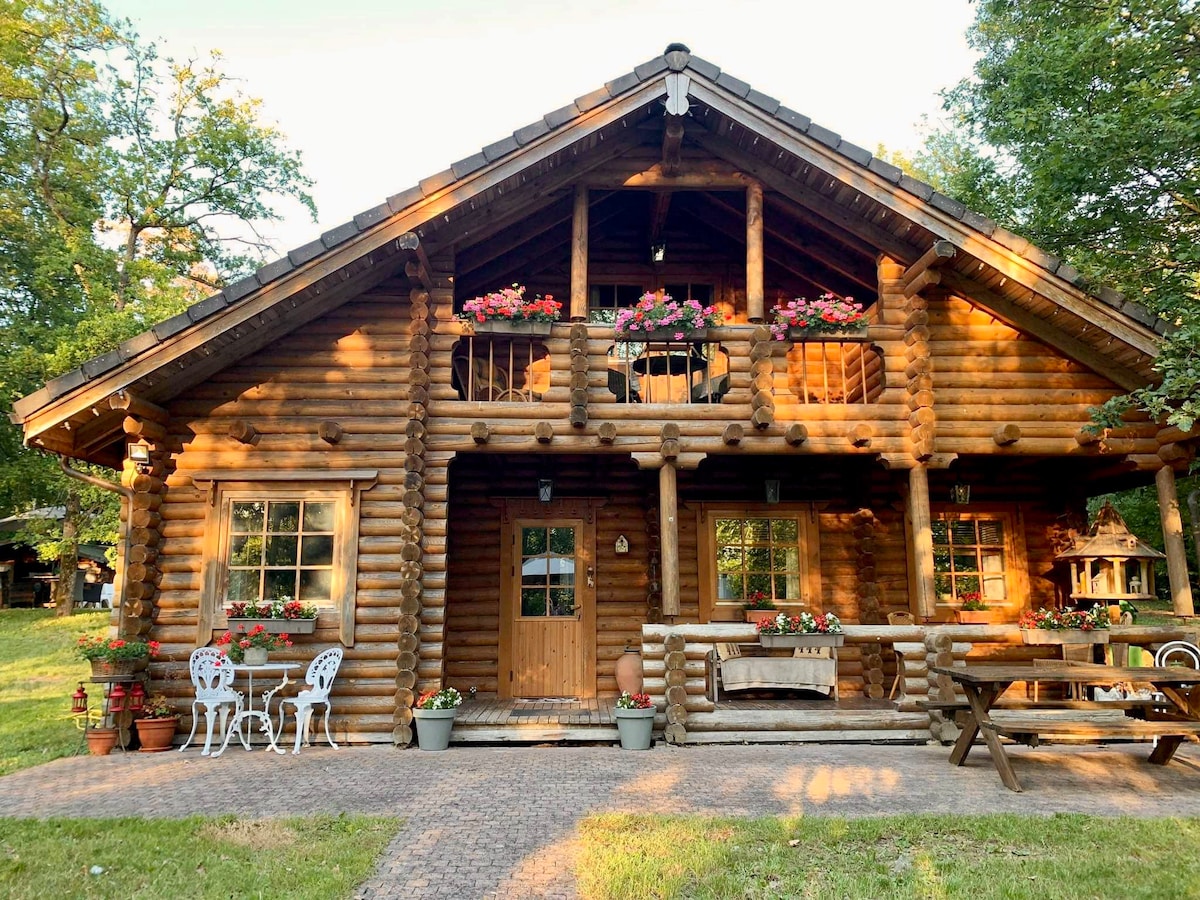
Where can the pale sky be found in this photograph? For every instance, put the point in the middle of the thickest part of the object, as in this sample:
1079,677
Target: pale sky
378,95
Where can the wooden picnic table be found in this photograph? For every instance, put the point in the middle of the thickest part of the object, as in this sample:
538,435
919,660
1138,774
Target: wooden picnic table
1171,722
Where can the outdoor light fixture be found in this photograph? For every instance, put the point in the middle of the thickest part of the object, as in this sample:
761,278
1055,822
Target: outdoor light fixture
79,701
772,486
545,489
961,493
139,455
658,252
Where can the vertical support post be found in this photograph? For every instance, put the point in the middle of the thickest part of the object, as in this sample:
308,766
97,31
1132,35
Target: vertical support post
579,256
1172,527
754,251
668,513
921,552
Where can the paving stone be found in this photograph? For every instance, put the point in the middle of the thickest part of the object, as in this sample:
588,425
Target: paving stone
483,822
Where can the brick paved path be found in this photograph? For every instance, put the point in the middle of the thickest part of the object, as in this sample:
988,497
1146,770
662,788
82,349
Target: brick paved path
500,822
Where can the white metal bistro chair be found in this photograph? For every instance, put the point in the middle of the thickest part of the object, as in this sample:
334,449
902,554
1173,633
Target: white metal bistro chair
320,676
212,676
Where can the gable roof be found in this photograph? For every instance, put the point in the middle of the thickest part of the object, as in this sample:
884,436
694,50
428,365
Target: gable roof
844,186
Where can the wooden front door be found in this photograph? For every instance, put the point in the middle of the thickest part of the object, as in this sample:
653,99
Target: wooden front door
549,610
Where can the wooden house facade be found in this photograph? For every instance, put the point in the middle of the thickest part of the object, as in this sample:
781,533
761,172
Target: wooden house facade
507,512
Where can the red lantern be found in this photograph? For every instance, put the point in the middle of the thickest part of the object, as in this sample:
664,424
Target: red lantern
137,697
116,699
79,701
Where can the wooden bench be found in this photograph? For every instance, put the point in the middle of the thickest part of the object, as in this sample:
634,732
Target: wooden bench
1029,729
1094,705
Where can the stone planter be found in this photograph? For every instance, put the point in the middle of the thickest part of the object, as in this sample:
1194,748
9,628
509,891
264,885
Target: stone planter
664,336
434,727
101,741
254,656
1064,636
155,735
501,326
802,640
635,727
845,335
275,626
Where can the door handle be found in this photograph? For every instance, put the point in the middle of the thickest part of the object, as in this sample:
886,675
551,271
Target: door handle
591,576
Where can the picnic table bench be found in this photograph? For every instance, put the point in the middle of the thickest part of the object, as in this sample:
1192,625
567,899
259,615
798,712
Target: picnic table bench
1172,717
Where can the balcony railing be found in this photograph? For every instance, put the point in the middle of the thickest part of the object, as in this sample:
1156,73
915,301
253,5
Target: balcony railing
668,372
826,372
501,369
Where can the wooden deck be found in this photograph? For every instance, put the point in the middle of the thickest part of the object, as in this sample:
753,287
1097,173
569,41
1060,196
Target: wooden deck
772,720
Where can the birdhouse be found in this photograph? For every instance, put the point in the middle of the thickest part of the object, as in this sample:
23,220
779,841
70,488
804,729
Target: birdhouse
1110,564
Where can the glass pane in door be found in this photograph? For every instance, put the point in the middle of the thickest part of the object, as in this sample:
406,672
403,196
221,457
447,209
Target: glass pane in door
547,571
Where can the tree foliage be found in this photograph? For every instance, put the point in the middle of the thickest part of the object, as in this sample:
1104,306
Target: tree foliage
1079,129
130,185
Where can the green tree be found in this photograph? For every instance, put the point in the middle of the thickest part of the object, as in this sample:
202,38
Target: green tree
1080,130
130,185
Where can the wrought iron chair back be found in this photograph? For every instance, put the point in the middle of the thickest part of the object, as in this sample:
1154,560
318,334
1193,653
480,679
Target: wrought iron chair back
212,676
320,676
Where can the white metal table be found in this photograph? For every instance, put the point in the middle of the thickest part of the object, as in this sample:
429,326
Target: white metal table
248,712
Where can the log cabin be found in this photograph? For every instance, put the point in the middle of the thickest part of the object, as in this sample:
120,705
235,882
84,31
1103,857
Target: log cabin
507,513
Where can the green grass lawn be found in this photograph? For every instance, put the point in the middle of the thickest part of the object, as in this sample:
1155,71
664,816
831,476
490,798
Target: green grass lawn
38,673
317,857
1063,856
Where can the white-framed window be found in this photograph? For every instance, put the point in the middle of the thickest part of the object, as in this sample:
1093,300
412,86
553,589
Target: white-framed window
281,534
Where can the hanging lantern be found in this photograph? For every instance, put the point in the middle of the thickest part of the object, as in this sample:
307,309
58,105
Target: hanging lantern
137,697
79,701
116,699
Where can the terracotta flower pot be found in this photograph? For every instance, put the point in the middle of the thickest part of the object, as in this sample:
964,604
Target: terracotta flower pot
101,741
155,735
754,616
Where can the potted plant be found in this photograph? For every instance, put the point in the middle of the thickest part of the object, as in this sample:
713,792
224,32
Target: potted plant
756,606
973,610
657,317
804,630
156,727
635,720
101,739
251,647
114,657
507,311
829,318
282,615
1058,626
434,713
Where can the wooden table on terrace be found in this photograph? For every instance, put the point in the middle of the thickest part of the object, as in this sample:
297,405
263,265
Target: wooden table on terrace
1176,717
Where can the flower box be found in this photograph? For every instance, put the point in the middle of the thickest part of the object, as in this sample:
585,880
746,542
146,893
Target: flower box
818,639
977,616
508,326
754,616
114,668
1063,636
275,626
665,336
844,335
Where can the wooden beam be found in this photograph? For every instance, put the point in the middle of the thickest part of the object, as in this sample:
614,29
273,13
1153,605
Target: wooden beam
921,549
754,251
672,142
658,215
668,515
134,405
1172,527
921,274
814,249
579,255
421,272
694,175
1014,316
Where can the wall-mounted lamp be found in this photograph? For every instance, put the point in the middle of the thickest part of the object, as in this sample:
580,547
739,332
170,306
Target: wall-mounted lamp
961,493
545,489
772,487
658,252
139,455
